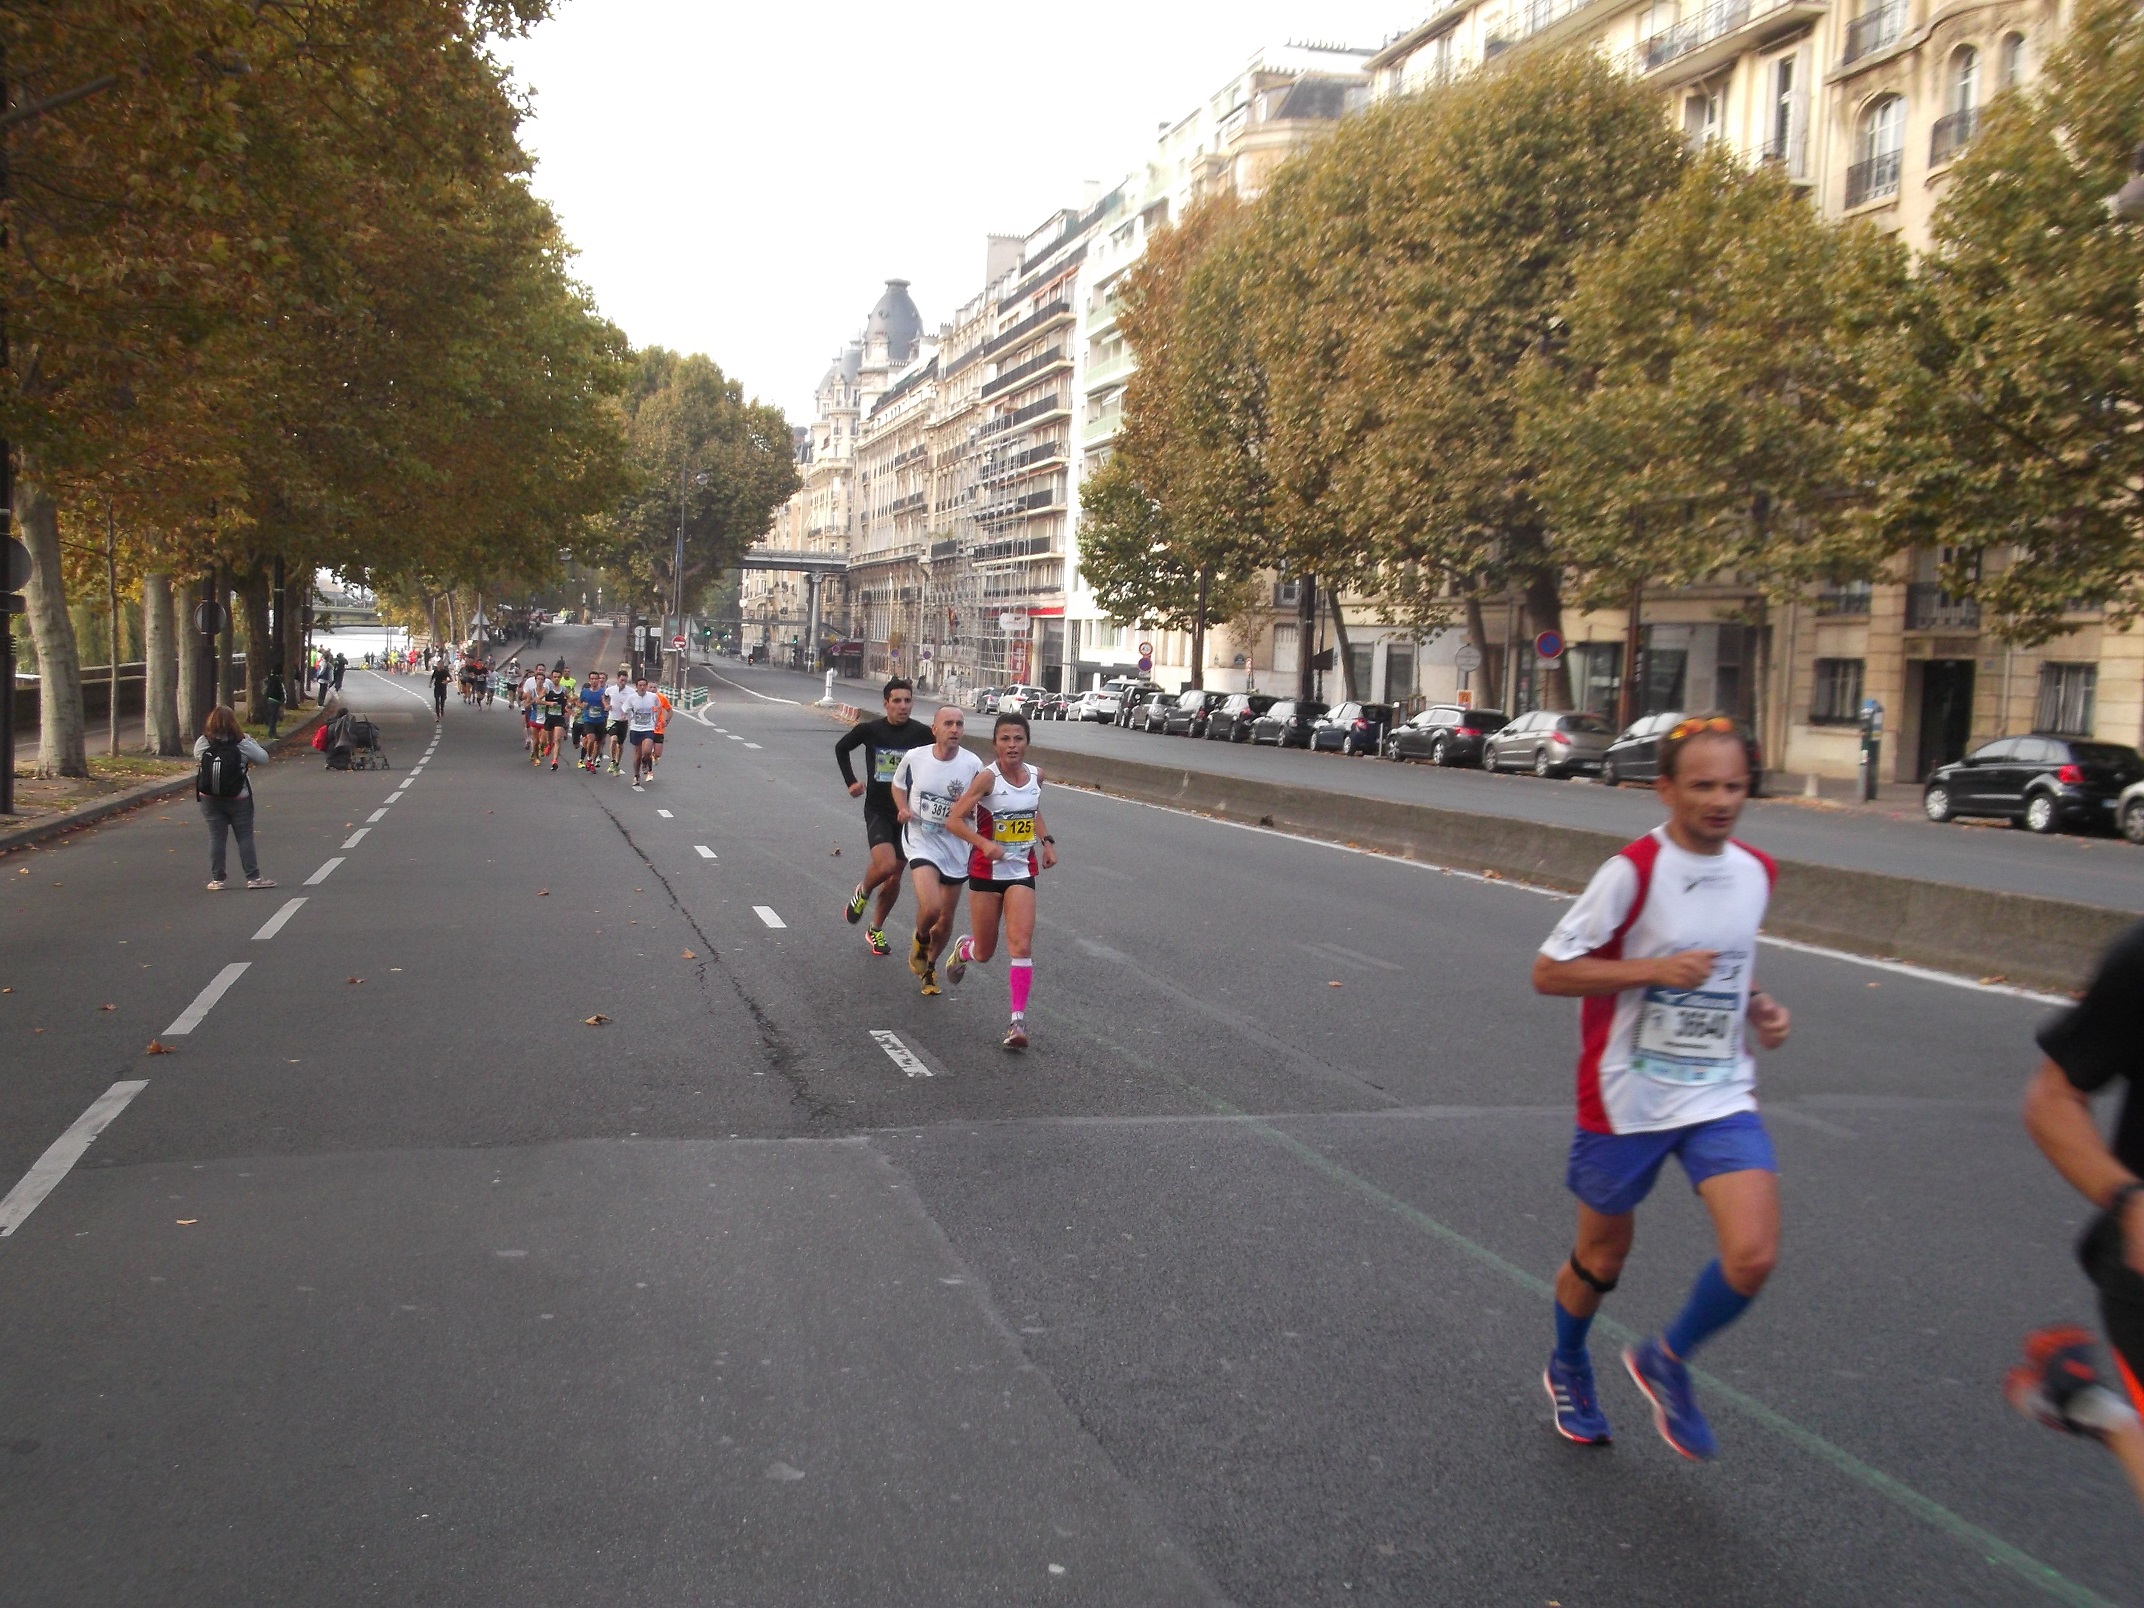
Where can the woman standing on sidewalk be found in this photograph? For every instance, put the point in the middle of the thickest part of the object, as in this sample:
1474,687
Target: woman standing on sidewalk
223,754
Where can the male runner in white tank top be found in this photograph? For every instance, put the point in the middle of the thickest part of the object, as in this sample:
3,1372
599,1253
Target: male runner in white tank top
927,783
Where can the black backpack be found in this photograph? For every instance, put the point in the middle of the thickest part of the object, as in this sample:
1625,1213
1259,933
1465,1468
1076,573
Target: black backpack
222,772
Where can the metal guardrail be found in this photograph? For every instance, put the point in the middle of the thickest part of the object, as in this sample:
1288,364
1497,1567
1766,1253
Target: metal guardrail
685,697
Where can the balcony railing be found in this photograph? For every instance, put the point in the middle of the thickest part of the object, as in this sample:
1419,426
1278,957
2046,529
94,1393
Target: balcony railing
1020,416
1873,179
1874,29
1843,601
1952,134
1790,151
1930,608
1053,358
1027,326
1721,17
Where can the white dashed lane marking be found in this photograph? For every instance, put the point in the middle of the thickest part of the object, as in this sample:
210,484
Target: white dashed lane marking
900,1054
274,924
356,837
703,851
765,913
376,816
326,870
205,1001
61,1155
751,745
665,814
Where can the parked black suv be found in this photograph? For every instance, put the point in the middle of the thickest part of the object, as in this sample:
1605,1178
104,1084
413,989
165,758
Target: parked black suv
2041,783
1232,721
1351,728
1287,724
1445,734
1187,717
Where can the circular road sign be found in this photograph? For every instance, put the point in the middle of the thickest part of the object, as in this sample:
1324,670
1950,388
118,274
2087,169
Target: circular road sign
210,618
18,565
1468,658
1549,644
1146,663
677,642
1146,651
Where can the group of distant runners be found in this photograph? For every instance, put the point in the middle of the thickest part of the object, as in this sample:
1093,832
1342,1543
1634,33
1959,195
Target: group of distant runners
951,821
608,720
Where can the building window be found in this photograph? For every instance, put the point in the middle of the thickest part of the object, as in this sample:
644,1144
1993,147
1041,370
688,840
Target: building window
1399,672
2010,63
1835,699
1961,116
1285,662
1786,139
1359,658
1287,594
1702,114
2065,704
1878,145
1596,677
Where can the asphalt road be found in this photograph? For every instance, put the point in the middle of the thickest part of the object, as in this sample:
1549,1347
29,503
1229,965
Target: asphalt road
398,1282
2095,870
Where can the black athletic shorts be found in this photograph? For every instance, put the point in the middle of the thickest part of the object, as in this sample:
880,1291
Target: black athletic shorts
554,721
617,730
992,885
884,826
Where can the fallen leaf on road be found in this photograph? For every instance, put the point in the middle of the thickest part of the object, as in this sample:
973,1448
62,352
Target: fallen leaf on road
1332,985
186,1222
595,1021
837,852
689,955
1985,982
543,893
1493,876
115,1007
353,979
6,991
1875,985
636,890
159,1047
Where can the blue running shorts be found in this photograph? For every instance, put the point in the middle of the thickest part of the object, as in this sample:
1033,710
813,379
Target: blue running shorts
1612,1172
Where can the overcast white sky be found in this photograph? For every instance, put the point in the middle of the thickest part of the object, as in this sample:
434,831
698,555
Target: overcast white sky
742,181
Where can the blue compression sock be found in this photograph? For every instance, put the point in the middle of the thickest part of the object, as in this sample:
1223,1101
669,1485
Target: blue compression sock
1571,1336
1713,1305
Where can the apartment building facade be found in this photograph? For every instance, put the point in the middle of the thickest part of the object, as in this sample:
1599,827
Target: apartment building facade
1864,103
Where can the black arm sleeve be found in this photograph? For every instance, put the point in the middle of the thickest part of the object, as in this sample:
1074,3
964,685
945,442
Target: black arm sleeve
2097,1040
846,744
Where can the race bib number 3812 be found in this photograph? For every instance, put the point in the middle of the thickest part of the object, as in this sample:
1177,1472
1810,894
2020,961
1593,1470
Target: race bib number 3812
1687,1036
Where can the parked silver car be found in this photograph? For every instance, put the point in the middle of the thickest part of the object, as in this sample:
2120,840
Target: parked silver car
1549,743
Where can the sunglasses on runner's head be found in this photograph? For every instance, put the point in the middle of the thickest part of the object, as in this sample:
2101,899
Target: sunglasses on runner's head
1691,728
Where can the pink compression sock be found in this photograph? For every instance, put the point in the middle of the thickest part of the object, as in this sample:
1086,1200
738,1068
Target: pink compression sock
1019,976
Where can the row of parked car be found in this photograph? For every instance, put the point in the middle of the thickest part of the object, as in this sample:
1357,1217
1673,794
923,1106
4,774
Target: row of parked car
2040,783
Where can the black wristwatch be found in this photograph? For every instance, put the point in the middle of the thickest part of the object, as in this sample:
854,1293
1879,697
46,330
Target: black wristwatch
1052,842
2118,1202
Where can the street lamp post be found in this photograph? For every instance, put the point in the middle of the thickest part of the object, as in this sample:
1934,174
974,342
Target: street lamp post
685,481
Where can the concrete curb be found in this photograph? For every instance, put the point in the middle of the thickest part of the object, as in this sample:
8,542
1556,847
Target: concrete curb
134,798
2032,942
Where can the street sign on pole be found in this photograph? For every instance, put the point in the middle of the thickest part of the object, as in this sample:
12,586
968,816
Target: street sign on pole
1468,659
18,565
210,618
1146,663
1146,651
1549,644
678,642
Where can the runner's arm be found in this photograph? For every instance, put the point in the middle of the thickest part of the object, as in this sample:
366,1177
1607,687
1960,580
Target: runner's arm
1045,845
1570,963
845,745
959,822
2058,1115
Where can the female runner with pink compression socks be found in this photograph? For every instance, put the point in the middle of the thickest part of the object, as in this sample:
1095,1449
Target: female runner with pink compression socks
1010,844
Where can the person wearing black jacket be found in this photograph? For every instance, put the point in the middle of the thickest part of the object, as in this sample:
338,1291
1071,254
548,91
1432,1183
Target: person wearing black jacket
272,695
2094,1045
883,741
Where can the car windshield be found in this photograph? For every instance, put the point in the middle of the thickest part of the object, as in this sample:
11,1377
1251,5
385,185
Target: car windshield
1591,723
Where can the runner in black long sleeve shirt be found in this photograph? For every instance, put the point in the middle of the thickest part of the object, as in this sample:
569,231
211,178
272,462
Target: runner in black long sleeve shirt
883,741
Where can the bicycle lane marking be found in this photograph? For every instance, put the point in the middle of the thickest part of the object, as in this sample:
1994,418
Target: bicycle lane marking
1989,1545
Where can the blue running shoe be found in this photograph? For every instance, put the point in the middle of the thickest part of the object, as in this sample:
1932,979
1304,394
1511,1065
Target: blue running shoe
1666,1383
1578,1409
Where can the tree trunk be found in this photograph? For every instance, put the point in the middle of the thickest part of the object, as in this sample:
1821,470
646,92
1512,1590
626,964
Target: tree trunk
1478,639
160,668
290,624
197,669
1346,658
1198,632
226,640
1306,631
1544,611
1633,639
431,620
111,602
61,750
260,652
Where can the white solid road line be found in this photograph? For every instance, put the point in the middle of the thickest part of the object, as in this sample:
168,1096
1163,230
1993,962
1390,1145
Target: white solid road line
274,924
900,1054
741,687
765,913
356,837
376,816
61,1155
397,685
703,851
326,870
666,815
205,1001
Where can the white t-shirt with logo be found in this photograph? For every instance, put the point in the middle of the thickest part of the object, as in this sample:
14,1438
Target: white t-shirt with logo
934,786
1655,1058
638,709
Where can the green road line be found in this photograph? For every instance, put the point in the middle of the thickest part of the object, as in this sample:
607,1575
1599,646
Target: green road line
1990,1546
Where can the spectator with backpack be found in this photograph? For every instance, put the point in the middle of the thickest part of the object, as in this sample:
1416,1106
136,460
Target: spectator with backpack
222,754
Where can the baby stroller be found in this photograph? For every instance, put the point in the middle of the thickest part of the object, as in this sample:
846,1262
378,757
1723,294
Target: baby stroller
353,743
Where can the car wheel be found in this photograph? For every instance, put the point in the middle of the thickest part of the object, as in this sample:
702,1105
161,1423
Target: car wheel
1392,749
1440,752
1542,766
2133,820
1609,778
2040,813
1936,805
1347,745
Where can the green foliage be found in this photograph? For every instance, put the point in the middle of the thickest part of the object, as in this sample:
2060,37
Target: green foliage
1693,419
2007,425
691,435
